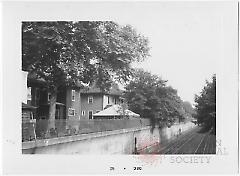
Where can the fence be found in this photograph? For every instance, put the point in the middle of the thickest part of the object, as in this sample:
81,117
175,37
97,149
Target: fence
45,129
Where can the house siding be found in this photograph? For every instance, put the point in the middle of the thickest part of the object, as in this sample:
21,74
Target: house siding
39,99
97,104
100,101
111,100
61,98
24,86
76,105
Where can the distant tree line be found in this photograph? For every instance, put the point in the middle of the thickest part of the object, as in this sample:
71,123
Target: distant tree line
206,105
148,95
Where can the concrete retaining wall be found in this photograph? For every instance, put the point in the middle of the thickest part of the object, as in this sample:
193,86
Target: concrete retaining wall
109,142
167,134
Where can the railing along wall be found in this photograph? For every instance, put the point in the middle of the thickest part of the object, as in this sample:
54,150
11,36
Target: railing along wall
46,129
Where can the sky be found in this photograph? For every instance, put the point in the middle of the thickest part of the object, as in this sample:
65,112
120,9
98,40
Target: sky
185,41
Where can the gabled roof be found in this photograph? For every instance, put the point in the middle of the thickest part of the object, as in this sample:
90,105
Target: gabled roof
115,110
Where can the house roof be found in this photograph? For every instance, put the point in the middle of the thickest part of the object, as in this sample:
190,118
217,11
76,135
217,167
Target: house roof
26,106
114,90
115,110
32,79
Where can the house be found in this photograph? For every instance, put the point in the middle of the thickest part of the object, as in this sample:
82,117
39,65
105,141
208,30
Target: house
94,100
27,110
68,99
116,111
24,87
72,102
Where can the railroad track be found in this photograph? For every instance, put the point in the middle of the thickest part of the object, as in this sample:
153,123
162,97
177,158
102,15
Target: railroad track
191,142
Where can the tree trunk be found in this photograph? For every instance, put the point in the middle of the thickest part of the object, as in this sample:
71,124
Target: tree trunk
52,109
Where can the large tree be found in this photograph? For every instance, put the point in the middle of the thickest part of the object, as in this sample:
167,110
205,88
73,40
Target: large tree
149,96
69,53
141,93
206,105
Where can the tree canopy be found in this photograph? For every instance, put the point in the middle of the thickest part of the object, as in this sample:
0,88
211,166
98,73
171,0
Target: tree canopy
70,53
65,52
149,96
206,104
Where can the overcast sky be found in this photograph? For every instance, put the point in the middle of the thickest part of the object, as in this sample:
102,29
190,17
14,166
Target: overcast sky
185,41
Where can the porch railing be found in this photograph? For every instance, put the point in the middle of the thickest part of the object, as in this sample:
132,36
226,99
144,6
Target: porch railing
45,129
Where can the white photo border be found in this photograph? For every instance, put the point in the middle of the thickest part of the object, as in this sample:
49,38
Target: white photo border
14,162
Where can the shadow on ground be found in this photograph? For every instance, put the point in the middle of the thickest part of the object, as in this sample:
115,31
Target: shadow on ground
205,129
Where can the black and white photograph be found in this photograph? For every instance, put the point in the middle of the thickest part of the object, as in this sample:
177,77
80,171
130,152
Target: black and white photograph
80,80
126,87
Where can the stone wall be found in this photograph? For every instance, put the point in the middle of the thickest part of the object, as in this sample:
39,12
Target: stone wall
109,142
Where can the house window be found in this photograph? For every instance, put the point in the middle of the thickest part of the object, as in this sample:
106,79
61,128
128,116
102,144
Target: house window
90,114
73,95
49,96
29,94
108,100
71,112
90,99
83,113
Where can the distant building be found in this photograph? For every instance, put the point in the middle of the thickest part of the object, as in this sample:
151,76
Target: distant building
27,110
68,100
72,102
24,86
94,100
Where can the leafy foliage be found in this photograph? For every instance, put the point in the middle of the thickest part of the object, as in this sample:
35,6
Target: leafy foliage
78,53
206,104
149,96
67,52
